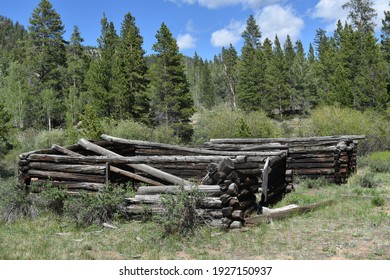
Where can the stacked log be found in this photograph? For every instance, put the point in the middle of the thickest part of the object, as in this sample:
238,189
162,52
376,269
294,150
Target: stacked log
332,157
229,194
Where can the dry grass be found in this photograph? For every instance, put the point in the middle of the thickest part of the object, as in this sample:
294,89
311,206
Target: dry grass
354,227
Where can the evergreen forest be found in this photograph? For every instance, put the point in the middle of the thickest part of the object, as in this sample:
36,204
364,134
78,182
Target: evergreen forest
49,84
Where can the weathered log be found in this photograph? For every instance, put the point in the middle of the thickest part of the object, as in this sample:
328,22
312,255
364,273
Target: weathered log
283,212
319,171
210,190
65,151
76,185
264,175
142,167
72,168
287,140
311,165
227,211
237,215
246,147
135,176
66,176
175,148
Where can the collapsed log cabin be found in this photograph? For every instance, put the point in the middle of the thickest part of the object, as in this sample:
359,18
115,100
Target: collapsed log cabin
236,175
331,157
230,180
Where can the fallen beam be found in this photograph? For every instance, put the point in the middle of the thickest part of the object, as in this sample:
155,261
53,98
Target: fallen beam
141,167
284,212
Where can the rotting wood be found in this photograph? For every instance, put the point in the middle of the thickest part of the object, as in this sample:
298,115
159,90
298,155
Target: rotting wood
197,151
72,168
142,167
288,140
66,176
214,190
74,185
65,151
284,212
134,176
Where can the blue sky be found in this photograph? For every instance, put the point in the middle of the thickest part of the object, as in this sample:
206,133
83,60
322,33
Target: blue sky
204,26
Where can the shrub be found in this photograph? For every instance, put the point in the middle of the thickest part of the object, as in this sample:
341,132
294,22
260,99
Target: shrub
367,180
333,120
180,216
87,209
127,129
130,129
379,161
16,203
53,199
222,122
378,201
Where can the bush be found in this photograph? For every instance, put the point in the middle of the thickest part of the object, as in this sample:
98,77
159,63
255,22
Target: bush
180,216
332,120
222,122
53,199
378,201
87,209
379,161
16,203
129,129
367,180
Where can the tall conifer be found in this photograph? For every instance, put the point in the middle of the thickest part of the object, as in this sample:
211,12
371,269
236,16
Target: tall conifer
175,104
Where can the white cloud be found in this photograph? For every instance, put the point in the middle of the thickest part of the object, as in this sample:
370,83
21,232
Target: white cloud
331,11
279,20
228,35
186,41
214,4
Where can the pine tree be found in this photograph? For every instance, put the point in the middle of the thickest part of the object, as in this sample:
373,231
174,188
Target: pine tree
311,82
5,117
99,76
175,104
281,76
298,79
129,73
78,64
221,89
385,45
12,41
367,66
289,55
250,88
46,58
362,15
208,98
194,72
271,73
230,63
385,36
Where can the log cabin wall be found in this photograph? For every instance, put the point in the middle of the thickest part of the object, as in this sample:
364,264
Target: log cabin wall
332,157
